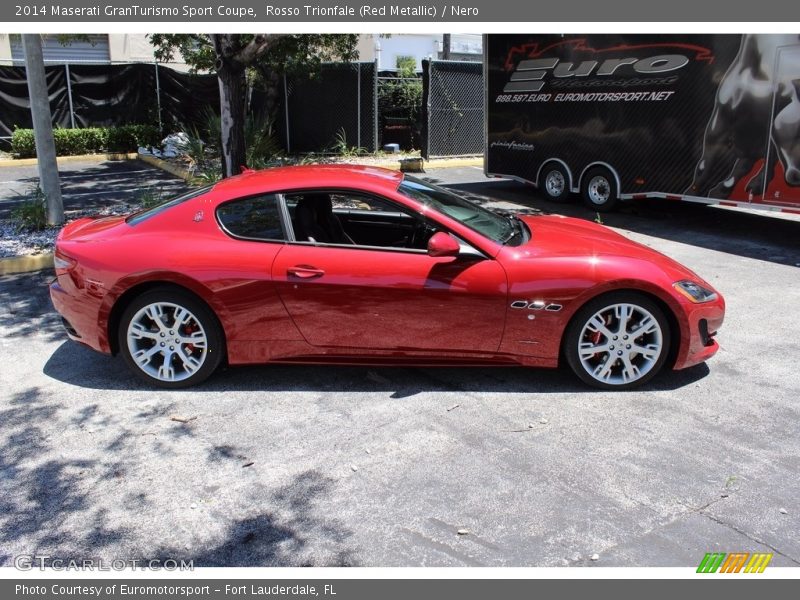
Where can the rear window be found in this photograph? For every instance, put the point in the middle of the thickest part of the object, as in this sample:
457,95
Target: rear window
145,214
256,218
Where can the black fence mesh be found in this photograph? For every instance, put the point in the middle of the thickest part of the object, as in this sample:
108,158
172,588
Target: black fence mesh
313,113
111,95
453,105
332,108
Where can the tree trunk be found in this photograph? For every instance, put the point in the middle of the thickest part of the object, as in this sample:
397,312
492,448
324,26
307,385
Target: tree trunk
232,89
445,46
43,128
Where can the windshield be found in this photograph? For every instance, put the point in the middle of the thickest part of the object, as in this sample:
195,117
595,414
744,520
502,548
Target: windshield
500,229
145,214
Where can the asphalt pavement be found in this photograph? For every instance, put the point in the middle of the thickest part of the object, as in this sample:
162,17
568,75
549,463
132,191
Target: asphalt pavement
309,465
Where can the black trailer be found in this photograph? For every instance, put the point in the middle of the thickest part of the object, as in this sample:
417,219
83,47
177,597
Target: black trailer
705,118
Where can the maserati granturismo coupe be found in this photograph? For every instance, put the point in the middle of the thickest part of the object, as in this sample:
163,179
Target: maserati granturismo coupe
361,265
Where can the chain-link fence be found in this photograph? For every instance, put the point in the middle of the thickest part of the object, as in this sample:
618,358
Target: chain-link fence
333,109
400,110
452,103
336,109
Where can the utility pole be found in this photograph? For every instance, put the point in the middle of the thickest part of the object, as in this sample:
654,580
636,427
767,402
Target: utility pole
445,46
43,128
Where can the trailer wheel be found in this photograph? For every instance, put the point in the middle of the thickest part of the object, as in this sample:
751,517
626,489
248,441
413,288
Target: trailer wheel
554,182
599,190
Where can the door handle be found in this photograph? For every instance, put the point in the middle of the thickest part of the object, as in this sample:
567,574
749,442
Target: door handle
305,272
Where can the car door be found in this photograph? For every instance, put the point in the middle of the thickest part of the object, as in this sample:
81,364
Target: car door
392,299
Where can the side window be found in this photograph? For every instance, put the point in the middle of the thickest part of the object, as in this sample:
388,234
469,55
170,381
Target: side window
347,201
256,218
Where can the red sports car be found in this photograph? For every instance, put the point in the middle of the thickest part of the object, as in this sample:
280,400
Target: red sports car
360,265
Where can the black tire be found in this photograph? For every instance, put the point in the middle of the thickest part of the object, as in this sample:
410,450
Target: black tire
554,182
576,334
204,361
599,190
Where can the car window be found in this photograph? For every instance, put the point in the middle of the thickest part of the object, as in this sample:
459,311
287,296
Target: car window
256,218
351,218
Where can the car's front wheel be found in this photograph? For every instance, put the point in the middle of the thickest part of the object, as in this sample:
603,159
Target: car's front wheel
170,339
617,341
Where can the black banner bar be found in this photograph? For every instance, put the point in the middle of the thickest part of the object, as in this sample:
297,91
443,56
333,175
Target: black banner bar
731,588
402,11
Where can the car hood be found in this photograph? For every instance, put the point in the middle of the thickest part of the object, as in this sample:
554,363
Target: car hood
558,236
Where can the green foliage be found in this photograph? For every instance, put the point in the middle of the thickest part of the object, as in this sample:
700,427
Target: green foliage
196,149
127,138
150,197
598,219
88,140
406,66
23,144
261,141
281,53
31,213
209,175
342,148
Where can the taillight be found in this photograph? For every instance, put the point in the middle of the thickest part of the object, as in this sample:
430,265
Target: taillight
62,262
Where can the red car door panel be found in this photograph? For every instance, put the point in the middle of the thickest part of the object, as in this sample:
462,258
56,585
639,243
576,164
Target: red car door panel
393,300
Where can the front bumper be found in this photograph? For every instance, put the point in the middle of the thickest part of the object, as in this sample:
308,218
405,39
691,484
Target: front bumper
702,321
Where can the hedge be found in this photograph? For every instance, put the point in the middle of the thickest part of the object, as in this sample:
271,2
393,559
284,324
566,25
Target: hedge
69,142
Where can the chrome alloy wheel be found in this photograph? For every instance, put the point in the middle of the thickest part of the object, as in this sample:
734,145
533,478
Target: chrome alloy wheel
620,344
167,341
599,190
554,183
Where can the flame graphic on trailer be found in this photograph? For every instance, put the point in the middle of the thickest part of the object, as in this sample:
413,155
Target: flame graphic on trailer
708,118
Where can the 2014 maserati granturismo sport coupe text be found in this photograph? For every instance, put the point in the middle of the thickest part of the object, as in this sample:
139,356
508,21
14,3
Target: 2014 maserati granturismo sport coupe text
360,265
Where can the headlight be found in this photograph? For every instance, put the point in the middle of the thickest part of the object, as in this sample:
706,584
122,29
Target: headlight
694,291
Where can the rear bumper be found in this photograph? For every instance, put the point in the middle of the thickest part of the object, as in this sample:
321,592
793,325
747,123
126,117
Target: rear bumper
697,340
79,315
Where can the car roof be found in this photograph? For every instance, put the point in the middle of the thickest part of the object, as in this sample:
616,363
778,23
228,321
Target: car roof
303,176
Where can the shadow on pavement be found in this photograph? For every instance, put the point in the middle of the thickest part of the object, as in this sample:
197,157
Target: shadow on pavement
76,365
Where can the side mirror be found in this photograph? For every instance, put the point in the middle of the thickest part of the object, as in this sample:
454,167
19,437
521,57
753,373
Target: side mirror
443,244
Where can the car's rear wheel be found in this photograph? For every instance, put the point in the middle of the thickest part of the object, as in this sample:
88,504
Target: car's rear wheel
554,182
170,339
618,341
599,190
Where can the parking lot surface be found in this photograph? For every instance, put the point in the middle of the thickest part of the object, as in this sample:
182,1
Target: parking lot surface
307,465
89,184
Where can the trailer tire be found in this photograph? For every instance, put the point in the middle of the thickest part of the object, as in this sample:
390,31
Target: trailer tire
554,182
599,190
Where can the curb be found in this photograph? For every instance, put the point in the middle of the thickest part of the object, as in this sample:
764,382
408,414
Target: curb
26,264
165,166
30,162
394,163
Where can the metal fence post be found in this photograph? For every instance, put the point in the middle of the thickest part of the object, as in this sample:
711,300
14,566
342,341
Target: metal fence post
158,98
376,146
69,97
286,112
358,106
